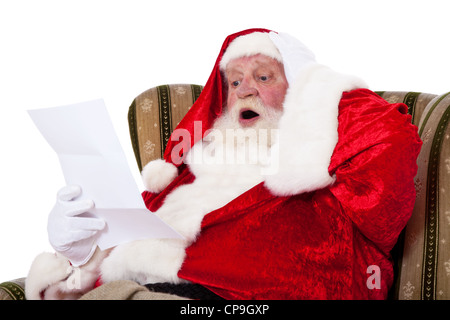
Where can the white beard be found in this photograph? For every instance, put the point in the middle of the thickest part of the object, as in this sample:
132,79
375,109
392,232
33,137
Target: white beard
226,163
269,117
235,148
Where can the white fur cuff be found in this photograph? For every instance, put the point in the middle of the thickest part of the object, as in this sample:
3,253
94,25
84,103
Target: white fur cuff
46,270
158,174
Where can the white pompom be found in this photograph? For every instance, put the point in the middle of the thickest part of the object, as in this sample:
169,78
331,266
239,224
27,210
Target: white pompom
158,174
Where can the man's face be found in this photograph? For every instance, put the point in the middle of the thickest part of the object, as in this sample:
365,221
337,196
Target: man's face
256,87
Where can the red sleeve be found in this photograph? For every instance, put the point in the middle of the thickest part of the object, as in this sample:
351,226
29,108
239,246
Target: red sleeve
375,165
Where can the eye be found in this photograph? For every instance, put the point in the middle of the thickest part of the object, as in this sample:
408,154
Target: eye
235,83
264,78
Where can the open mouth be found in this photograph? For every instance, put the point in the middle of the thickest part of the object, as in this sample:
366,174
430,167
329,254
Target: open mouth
248,116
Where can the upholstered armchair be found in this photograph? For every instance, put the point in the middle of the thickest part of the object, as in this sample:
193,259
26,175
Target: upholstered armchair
422,254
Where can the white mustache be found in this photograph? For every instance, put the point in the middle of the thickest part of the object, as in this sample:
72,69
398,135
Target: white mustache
249,104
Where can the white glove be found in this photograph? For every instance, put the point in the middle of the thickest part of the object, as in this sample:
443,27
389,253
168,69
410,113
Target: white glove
70,235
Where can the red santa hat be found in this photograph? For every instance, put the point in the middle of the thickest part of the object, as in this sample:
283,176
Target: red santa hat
307,128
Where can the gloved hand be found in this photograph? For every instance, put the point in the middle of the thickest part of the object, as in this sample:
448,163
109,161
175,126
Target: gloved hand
70,235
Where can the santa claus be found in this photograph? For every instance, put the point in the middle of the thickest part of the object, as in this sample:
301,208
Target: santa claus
297,188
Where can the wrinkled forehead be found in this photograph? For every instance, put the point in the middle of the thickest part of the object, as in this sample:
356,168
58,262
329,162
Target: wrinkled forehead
254,62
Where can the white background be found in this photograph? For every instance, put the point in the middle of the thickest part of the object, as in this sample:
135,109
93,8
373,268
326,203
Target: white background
61,52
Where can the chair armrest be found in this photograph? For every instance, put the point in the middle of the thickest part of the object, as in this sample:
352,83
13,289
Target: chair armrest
13,290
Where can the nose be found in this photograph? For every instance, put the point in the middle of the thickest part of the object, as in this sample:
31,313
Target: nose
246,89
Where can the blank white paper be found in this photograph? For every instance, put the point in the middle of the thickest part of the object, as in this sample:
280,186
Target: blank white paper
91,156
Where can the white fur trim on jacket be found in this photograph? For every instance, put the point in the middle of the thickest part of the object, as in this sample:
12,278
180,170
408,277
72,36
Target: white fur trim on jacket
308,131
52,277
46,270
158,174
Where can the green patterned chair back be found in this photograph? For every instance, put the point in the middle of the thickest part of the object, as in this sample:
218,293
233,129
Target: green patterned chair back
154,114
424,256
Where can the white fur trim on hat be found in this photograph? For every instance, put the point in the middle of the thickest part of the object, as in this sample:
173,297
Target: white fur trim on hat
158,174
295,54
248,45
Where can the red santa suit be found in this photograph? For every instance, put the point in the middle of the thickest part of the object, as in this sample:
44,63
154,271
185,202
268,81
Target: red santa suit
329,216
